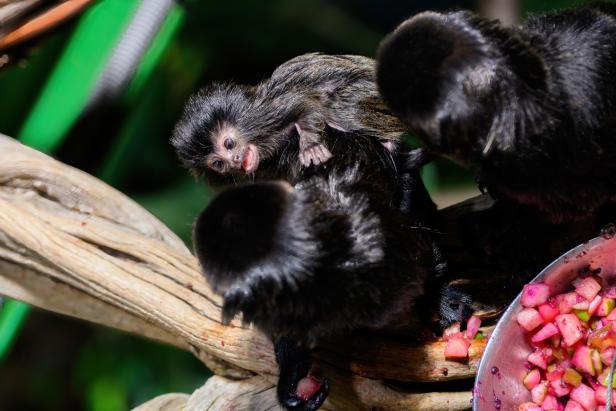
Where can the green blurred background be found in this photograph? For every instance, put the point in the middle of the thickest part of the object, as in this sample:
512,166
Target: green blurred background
58,363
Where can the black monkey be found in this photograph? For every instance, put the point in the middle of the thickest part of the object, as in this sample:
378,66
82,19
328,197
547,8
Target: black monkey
229,131
532,109
328,255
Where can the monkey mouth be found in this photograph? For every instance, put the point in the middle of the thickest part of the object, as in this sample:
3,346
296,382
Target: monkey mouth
250,162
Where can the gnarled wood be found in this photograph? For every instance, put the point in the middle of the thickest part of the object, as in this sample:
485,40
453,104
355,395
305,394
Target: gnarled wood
71,244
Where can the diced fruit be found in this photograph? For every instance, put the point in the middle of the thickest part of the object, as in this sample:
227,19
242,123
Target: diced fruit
457,348
582,360
452,330
567,301
535,294
588,288
606,356
479,336
549,403
584,395
581,305
549,310
529,319
603,338
538,393
573,337
529,406
472,326
538,358
601,396
594,304
554,372
570,328
559,388
582,315
604,377
546,332
532,379
573,406
606,307
572,377
596,361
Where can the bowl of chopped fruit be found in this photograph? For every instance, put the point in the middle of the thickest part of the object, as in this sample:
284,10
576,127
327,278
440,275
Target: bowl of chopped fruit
553,348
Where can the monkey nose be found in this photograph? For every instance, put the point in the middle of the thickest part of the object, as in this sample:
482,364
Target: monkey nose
237,158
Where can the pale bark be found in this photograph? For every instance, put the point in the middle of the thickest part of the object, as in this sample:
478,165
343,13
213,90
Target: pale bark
71,244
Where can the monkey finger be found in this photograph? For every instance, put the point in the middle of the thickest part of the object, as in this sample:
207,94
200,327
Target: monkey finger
325,154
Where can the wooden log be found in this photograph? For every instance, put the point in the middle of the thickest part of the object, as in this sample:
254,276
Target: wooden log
166,402
71,244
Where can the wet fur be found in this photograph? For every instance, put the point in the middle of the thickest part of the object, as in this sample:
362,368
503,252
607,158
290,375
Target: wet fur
532,109
314,90
326,256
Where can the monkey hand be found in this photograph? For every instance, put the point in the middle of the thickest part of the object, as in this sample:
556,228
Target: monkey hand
297,389
311,149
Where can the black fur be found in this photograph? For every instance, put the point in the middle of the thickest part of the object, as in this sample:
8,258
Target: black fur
531,108
331,254
312,90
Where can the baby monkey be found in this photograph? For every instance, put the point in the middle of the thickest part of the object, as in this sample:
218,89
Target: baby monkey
229,131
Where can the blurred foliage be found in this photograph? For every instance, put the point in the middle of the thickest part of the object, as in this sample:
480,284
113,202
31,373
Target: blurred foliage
63,364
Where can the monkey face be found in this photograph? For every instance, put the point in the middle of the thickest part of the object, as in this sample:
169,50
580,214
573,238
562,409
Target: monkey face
231,153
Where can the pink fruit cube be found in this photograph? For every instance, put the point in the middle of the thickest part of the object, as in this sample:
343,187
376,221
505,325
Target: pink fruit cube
559,388
457,348
582,360
535,294
450,331
567,301
573,406
538,358
554,372
606,307
594,304
588,288
546,332
549,310
606,356
585,396
529,319
601,396
532,379
570,328
472,326
538,393
549,403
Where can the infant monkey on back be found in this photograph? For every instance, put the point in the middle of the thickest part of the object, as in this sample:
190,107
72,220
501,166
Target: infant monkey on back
328,250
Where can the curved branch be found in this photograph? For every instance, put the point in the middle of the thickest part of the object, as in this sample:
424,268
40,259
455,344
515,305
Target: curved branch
69,243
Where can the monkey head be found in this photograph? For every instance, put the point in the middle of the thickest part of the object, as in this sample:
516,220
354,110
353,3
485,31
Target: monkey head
230,152
216,134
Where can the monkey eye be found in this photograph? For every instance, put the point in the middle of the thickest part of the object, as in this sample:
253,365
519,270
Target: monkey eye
229,143
218,164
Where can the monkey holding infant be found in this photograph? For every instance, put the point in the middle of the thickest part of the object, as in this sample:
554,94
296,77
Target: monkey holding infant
338,243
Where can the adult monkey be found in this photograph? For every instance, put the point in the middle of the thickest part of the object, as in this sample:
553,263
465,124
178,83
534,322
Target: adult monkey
531,109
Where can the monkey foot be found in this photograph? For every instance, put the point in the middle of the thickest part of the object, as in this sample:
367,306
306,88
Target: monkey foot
309,395
315,154
298,389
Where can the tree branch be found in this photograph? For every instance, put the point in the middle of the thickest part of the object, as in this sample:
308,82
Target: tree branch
71,244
